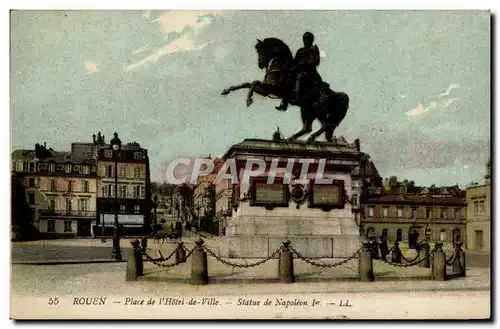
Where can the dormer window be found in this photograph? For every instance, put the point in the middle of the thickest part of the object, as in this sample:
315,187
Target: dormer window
138,155
108,153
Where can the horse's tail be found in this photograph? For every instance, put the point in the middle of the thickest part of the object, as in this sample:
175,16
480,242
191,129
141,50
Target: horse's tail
338,111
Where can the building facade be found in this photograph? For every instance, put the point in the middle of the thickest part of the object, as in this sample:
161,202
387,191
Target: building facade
406,213
61,190
132,198
478,214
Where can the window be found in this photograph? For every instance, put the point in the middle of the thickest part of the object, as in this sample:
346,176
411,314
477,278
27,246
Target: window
457,213
52,185
354,200
141,192
31,182
413,213
51,225
52,167
70,185
85,186
110,191
52,204
25,165
104,192
109,171
19,166
122,208
67,169
443,213
68,204
476,208
82,204
42,167
31,198
481,207
85,170
428,213
122,171
138,155
67,226
123,191
137,192
32,166
137,172
442,235
400,212
385,212
137,209
371,211
108,153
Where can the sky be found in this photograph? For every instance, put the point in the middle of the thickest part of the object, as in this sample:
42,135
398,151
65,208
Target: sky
418,83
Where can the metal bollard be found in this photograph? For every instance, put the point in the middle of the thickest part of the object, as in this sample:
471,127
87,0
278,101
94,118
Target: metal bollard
135,265
286,264
199,265
459,264
396,253
439,263
425,254
365,265
180,253
144,243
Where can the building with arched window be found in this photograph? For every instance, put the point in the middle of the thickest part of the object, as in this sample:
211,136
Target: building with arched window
407,211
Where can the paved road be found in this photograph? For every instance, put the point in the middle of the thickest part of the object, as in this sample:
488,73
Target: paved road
26,253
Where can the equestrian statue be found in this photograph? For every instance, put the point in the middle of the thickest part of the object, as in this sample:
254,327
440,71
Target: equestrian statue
297,82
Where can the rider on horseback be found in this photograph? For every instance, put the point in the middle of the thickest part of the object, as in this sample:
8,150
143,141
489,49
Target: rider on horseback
306,60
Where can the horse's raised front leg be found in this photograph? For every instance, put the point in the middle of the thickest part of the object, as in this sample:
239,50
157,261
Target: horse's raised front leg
233,88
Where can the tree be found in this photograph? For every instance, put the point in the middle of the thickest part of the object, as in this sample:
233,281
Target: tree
21,213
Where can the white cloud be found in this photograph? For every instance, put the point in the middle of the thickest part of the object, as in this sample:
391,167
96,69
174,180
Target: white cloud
402,96
448,91
185,43
91,67
178,20
322,54
448,102
419,110
139,50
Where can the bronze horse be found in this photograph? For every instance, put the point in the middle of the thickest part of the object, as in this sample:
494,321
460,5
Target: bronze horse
321,103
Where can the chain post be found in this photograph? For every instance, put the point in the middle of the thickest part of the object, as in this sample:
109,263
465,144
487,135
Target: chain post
425,250
286,264
459,264
365,266
135,266
199,265
180,253
439,263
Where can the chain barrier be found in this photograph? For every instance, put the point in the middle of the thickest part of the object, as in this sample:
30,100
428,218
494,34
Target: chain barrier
159,262
411,261
225,262
416,261
450,261
309,261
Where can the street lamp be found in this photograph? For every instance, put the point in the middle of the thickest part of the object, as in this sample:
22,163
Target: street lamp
155,205
116,146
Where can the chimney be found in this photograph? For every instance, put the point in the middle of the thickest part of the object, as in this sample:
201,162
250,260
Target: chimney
356,143
44,145
103,140
93,138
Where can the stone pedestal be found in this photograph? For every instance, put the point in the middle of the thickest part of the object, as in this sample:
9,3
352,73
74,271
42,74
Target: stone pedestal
319,219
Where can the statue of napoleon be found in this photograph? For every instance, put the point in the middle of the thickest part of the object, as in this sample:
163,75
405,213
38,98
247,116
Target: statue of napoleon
297,82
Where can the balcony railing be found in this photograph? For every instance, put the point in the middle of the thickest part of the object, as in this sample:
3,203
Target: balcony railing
383,219
67,213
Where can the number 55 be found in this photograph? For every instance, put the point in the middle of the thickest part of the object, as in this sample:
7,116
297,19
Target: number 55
53,301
